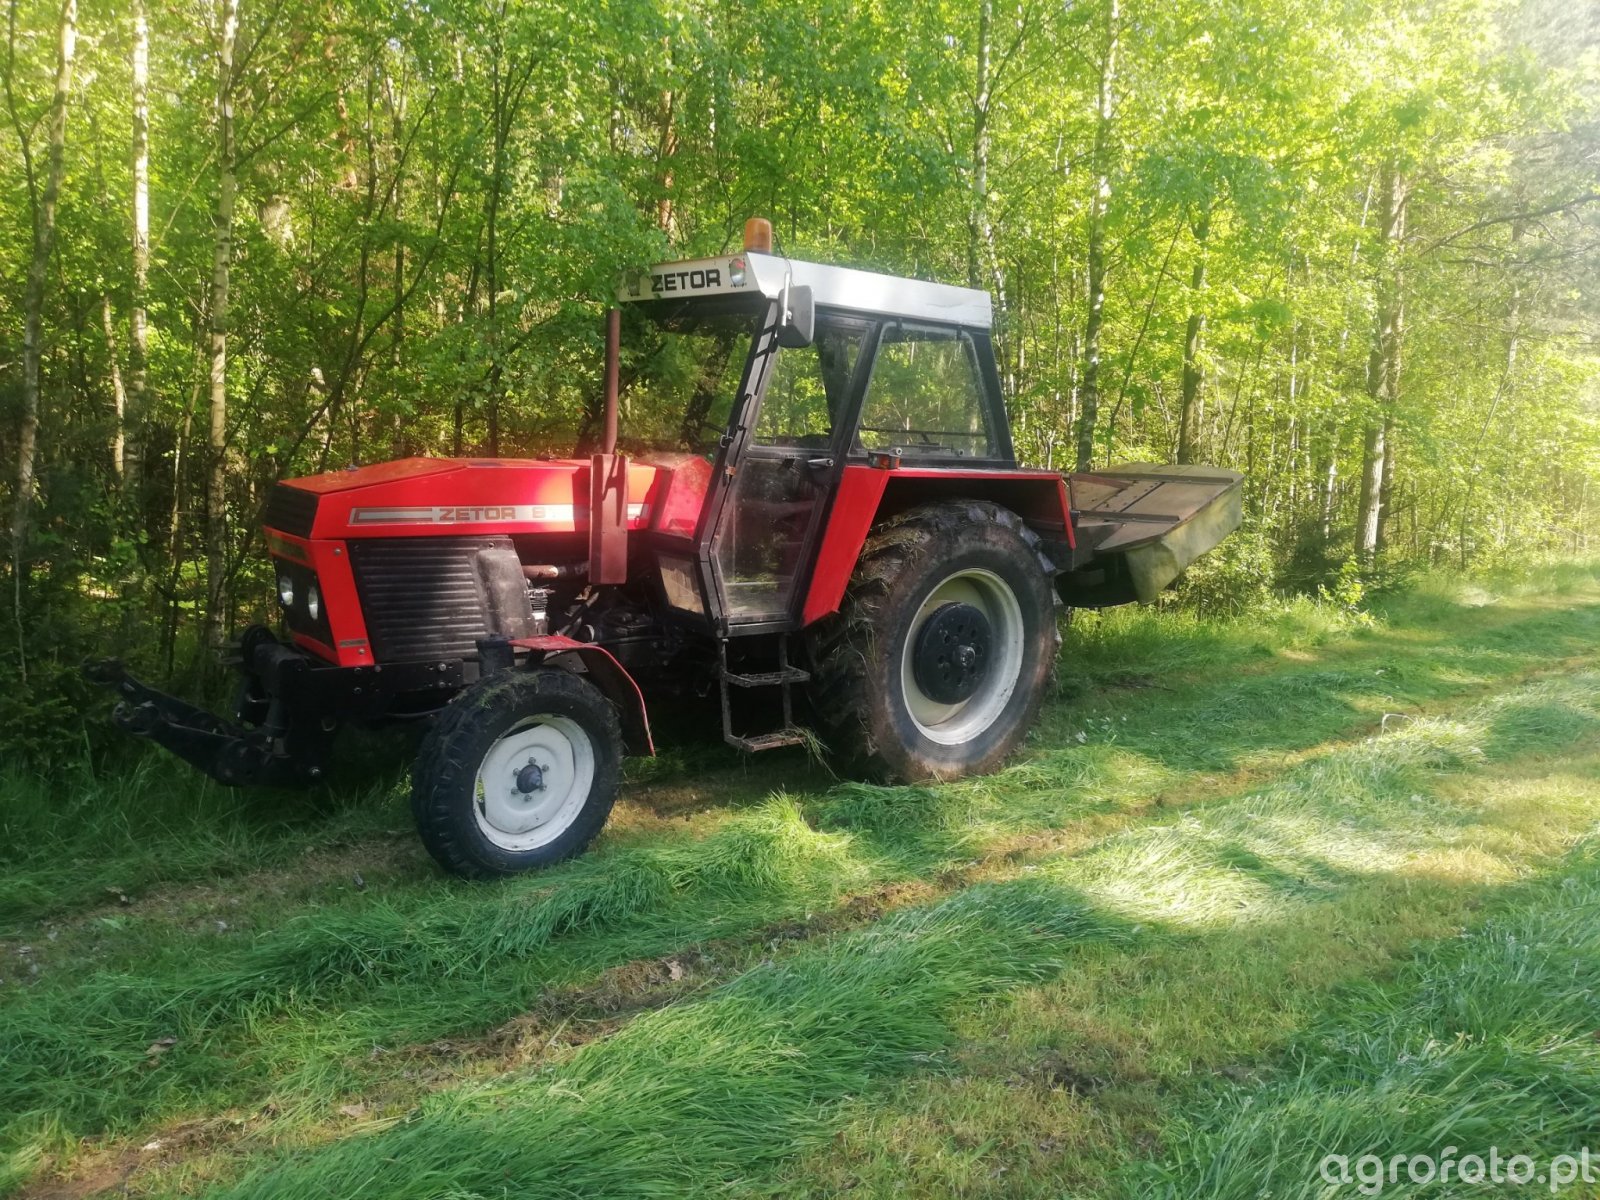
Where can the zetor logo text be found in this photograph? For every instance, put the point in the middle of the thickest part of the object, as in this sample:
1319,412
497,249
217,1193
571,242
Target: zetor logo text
461,515
482,513
477,514
686,281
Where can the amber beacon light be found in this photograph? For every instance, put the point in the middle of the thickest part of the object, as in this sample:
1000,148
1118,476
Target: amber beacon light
758,236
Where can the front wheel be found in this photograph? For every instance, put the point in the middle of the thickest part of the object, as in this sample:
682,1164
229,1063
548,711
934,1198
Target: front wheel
520,772
940,655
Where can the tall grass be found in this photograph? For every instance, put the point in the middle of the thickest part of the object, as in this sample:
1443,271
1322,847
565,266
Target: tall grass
71,837
1484,1041
1254,909
79,1053
693,1098
722,1091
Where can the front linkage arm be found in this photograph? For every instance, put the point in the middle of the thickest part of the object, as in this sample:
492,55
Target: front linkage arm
293,705
272,754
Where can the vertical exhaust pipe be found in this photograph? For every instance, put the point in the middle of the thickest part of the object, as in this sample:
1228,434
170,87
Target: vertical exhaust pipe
608,477
608,442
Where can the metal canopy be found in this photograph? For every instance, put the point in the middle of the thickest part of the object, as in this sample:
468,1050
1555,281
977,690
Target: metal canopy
865,292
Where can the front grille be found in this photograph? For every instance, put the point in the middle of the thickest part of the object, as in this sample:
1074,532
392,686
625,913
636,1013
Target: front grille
422,597
290,510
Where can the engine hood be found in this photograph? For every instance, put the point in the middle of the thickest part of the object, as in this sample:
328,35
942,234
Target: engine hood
431,497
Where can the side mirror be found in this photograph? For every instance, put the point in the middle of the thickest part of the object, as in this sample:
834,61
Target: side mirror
798,320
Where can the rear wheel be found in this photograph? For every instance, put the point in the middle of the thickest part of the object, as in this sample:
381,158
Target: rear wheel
940,655
520,772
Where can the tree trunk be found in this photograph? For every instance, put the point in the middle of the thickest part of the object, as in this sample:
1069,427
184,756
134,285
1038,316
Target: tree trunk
119,396
1383,364
174,529
42,208
1386,484
138,334
1293,433
1089,408
397,129
1370,496
981,248
491,243
221,262
1329,483
666,156
1194,375
980,142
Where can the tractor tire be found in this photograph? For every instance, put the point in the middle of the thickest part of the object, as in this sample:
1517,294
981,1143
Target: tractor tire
943,648
519,772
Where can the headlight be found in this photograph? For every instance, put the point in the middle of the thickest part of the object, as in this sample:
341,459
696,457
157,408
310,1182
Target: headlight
285,589
313,603
736,272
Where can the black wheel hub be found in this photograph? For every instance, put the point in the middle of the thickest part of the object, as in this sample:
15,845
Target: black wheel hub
951,655
530,779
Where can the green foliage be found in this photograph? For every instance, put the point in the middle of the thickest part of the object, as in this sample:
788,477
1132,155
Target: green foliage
1348,588
1234,578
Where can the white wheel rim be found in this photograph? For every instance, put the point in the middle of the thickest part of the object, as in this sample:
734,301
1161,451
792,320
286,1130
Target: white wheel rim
514,819
954,724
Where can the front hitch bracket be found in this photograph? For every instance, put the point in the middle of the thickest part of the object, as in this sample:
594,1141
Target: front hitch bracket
229,753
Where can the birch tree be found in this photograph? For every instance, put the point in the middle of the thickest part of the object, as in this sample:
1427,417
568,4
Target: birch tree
42,199
1383,361
217,339
138,316
1095,250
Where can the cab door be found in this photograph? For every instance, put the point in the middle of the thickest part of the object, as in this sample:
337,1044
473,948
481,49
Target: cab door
780,468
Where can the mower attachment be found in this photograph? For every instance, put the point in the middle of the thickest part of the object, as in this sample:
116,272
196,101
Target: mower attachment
1140,525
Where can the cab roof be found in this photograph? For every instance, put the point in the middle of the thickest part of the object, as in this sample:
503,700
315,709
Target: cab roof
841,288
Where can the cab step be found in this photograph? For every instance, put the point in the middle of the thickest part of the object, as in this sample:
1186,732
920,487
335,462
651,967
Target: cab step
768,678
768,741
786,675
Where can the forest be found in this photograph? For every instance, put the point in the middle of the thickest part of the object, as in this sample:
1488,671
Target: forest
1348,248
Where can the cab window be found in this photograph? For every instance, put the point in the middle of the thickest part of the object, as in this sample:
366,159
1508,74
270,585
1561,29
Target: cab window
809,387
926,397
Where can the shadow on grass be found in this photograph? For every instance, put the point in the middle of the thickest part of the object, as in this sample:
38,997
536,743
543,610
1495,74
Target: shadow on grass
1537,727
72,838
1219,723
711,1091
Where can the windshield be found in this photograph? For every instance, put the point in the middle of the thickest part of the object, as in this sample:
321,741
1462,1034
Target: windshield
688,373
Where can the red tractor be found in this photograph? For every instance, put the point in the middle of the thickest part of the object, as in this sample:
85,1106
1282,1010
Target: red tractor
841,515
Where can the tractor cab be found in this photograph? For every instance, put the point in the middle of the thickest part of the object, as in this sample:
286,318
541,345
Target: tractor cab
785,376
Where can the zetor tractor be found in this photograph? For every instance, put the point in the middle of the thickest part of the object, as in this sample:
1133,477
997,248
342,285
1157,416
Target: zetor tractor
837,528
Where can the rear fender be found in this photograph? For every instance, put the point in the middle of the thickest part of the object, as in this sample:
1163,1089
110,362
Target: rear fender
607,674
867,494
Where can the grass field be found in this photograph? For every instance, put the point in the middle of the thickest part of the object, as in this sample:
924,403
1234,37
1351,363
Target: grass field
1308,882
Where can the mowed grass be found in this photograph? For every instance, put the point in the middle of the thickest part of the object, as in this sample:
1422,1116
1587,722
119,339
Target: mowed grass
1267,919
1294,856
726,1090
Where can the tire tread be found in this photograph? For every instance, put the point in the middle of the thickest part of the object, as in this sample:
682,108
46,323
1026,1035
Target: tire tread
841,647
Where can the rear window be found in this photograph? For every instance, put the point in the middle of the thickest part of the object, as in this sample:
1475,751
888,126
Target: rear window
926,396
